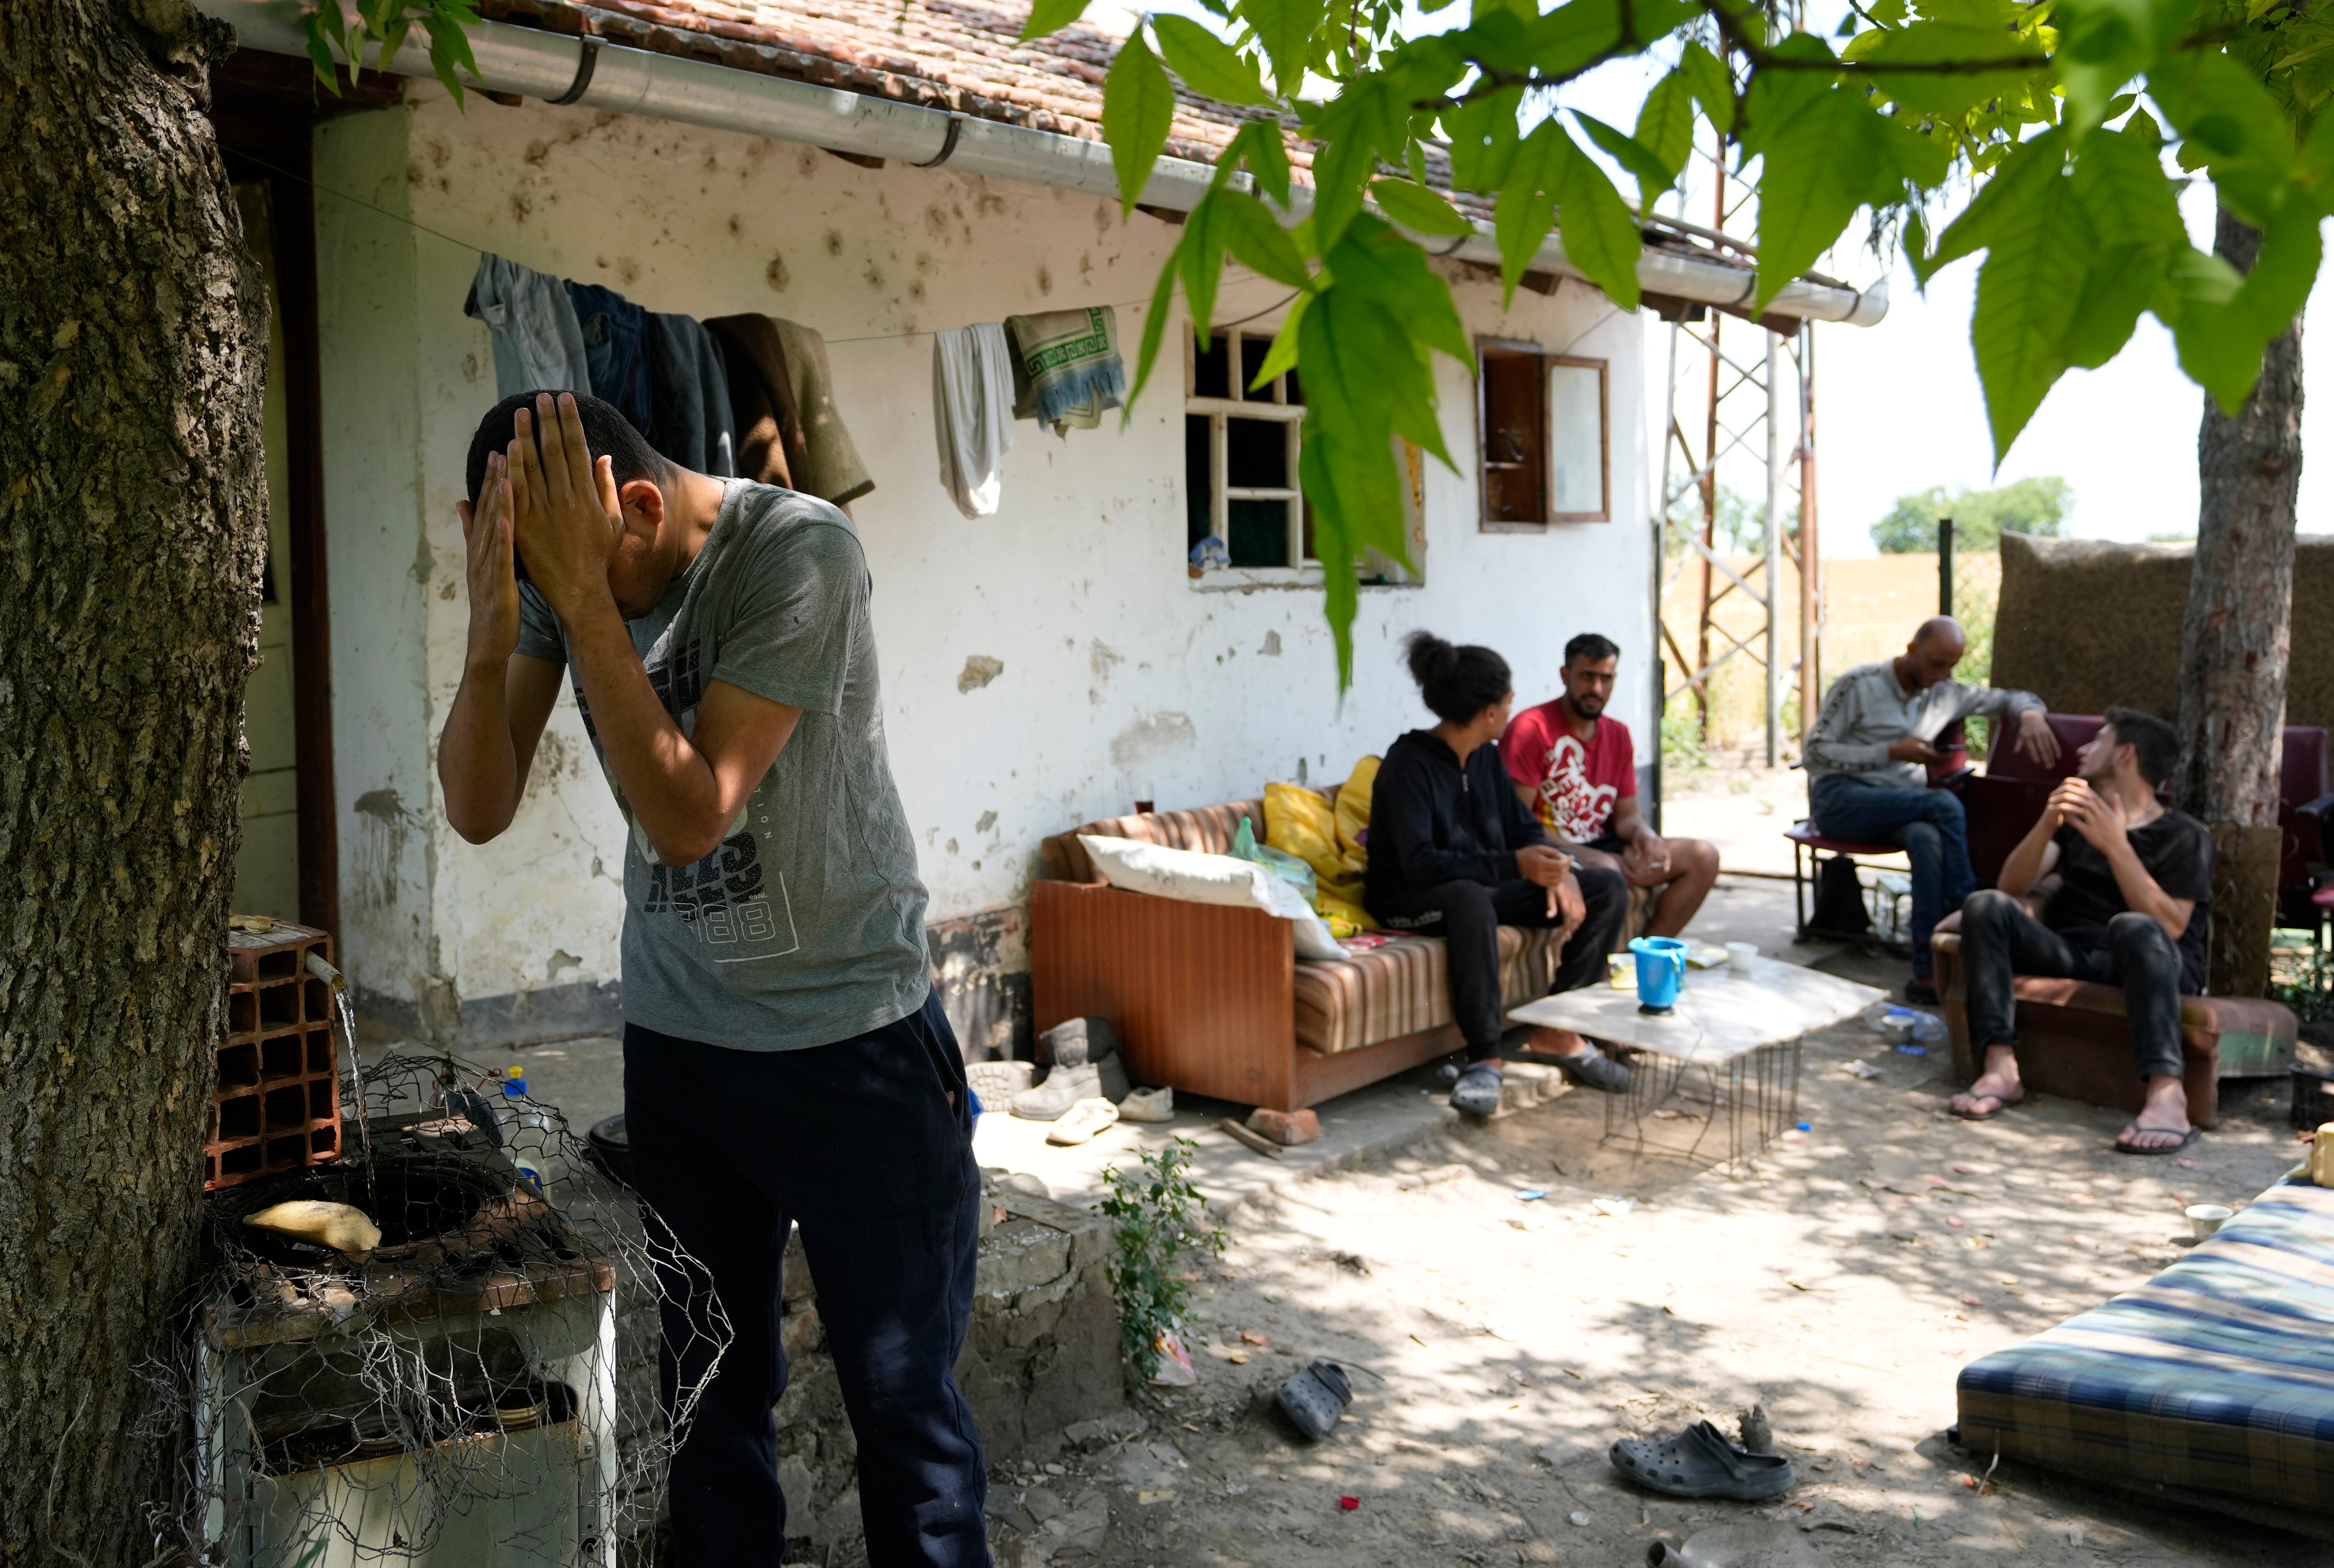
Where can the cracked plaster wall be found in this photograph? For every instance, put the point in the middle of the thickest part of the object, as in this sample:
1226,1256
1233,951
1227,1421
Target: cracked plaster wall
1115,676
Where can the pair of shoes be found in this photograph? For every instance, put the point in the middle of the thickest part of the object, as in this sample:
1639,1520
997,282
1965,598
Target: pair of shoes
1063,1087
1085,1118
1595,1070
1700,1462
1477,1092
1082,1063
1921,993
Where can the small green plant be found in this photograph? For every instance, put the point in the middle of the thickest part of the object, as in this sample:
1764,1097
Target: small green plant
2304,981
1159,1217
1682,752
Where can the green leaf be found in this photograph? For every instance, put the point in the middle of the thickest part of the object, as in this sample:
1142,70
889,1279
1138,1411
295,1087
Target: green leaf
1823,163
1208,65
1155,320
2104,44
1281,356
1652,177
1285,28
1051,16
2279,284
1665,123
1414,206
2121,282
320,51
1138,106
1368,119
2026,296
1705,76
1484,140
1526,206
1243,224
1598,230
1258,144
392,39
1928,42
449,47
1202,254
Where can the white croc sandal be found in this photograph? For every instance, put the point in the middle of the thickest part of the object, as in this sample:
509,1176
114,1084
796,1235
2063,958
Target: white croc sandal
1082,1121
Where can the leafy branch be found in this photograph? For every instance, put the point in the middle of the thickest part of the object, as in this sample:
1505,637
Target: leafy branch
1157,1219
389,22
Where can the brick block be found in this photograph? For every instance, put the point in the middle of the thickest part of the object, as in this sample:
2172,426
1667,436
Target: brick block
277,1102
1287,1127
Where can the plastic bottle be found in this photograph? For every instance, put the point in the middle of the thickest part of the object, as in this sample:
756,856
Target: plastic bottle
525,1133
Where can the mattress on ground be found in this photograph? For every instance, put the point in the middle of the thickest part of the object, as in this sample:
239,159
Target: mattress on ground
2218,1374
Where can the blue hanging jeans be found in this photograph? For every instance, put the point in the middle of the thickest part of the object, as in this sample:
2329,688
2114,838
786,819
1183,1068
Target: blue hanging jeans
1926,825
866,1145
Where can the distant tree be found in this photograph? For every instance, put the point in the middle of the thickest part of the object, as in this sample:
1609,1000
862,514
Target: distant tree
1980,517
1741,522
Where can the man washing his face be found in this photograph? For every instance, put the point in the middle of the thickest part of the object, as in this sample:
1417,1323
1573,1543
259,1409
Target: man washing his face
785,1062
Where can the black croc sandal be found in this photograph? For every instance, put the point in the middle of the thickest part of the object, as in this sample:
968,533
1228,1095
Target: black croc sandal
1700,1462
1593,1068
1477,1092
1314,1398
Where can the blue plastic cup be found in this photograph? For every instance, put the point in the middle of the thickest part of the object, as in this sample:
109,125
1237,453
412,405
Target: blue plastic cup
1660,972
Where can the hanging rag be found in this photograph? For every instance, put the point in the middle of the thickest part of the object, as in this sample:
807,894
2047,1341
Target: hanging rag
972,411
832,468
690,419
615,345
1065,366
538,342
762,414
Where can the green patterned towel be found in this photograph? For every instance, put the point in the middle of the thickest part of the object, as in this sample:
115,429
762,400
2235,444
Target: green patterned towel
1065,366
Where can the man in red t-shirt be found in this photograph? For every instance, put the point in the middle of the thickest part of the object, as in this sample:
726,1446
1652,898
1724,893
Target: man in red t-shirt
1578,772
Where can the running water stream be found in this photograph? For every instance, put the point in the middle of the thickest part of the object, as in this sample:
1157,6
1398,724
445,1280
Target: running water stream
347,1015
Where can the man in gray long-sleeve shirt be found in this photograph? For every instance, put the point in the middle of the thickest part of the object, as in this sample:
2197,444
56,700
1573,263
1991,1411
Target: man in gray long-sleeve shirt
1867,758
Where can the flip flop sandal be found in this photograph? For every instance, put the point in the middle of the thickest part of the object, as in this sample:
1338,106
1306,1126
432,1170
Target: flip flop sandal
1082,1121
1700,1462
1314,1398
1477,1092
2193,1135
1596,1070
2000,1105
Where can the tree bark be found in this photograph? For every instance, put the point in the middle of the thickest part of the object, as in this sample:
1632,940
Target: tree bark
132,349
2233,637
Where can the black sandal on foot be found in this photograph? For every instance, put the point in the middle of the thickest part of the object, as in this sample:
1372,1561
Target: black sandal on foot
1700,1462
1477,1092
1593,1068
2191,1136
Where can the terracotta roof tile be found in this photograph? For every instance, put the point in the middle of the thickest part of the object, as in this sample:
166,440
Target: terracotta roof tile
950,54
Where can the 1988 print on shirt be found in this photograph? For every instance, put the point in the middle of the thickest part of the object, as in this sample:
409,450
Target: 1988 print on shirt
804,926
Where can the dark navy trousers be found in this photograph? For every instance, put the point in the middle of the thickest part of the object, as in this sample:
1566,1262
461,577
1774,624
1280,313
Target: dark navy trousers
867,1146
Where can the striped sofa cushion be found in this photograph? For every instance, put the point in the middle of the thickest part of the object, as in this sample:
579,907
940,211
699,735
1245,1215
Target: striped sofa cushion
1404,986
2217,1375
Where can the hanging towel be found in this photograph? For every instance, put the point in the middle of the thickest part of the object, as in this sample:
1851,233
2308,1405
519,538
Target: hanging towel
690,419
830,466
538,342
973,410
615,344
1065,366
767,429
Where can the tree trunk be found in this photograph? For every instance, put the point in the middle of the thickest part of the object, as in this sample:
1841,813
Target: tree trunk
2234,639
132,348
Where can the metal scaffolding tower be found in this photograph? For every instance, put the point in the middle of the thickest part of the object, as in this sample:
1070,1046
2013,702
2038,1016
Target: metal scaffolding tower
1752,405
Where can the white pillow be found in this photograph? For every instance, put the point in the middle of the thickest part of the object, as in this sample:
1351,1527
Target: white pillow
1204,878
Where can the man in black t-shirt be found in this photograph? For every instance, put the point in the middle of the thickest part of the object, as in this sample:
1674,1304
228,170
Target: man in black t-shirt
2124,883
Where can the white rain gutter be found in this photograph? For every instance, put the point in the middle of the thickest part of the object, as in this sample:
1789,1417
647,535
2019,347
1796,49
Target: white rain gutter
596,74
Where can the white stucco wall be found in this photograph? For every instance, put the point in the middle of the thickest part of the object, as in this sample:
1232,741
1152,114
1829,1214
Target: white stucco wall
1118,676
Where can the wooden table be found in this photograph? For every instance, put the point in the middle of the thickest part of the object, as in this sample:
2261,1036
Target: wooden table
1741,1030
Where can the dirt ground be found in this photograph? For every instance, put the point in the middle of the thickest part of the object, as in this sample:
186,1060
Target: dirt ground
1499,1345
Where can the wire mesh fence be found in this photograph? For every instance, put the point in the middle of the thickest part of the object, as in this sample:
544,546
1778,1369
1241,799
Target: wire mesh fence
417,1353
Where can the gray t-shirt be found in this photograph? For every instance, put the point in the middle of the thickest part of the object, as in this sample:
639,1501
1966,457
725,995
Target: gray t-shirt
806,926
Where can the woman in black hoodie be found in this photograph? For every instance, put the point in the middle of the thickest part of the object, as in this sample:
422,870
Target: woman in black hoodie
1454,853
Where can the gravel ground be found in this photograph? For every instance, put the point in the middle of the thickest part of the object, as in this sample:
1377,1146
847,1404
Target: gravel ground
1500,1345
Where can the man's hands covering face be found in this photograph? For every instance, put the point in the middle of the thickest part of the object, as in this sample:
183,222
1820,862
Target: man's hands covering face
567,512
487,564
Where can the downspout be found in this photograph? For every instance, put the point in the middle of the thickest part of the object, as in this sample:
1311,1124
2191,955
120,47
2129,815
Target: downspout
594,73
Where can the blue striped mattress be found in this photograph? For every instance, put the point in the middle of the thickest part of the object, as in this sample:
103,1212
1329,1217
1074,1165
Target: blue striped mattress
2217,1375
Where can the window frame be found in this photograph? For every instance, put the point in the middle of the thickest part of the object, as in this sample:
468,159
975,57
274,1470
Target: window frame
1519,348
1305,569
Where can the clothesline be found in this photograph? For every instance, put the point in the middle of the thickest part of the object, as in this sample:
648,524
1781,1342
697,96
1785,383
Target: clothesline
869,338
